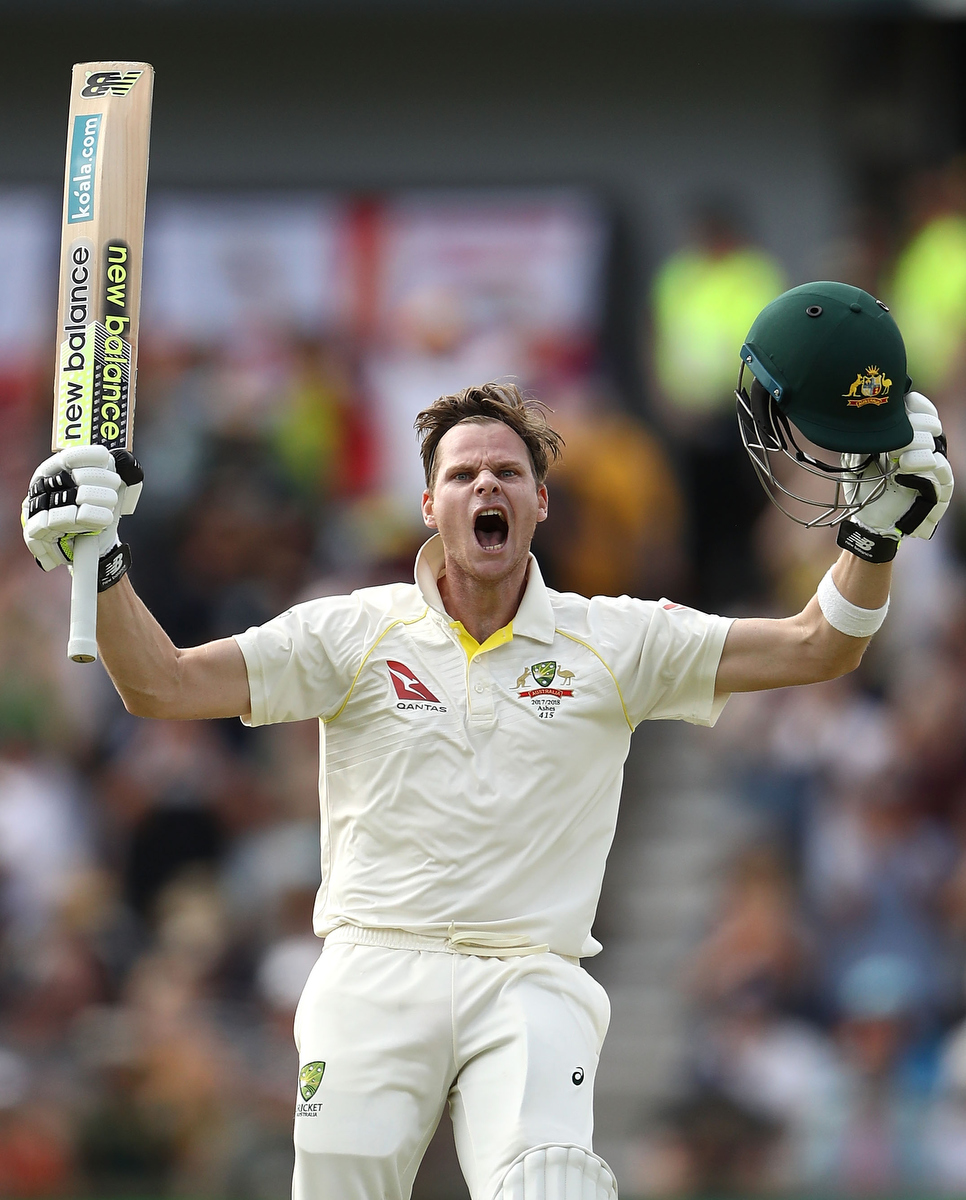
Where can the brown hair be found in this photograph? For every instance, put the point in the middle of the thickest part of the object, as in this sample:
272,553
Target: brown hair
490,402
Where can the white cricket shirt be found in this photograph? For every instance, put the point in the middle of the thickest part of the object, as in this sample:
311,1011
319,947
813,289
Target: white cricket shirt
468,785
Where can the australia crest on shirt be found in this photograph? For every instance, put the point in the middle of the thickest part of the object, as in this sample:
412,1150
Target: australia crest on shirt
536,685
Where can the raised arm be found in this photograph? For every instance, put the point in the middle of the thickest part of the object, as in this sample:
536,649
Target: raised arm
156,679
87,490
761,654
835,443
886,497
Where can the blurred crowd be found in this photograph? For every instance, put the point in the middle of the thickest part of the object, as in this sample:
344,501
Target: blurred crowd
156,879
827,998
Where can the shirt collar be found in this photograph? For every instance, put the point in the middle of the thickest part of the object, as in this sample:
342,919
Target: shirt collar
533,619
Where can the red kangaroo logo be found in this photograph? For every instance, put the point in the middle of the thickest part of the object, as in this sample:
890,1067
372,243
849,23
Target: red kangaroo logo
407,686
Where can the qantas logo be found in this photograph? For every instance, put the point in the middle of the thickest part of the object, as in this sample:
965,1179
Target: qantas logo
411,692
407,686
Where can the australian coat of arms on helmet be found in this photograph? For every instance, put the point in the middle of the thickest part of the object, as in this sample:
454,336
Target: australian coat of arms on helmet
808,350
869,388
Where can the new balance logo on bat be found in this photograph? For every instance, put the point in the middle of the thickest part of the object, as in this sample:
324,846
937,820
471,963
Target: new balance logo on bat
113,83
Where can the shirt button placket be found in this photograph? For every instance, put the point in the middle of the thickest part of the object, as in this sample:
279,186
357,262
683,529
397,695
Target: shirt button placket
481,694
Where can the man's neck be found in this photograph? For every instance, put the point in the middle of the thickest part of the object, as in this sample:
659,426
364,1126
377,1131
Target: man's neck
482,607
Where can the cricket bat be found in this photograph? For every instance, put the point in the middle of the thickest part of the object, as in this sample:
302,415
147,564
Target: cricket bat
99,295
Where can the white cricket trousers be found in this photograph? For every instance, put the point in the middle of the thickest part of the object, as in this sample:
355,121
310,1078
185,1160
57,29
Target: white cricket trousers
511,1043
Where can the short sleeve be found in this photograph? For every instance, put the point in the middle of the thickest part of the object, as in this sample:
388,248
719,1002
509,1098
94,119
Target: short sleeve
301,663
664,657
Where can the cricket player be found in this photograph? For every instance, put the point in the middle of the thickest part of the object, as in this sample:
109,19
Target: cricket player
473,730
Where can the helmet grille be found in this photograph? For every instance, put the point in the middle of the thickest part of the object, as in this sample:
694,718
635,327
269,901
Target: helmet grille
811,491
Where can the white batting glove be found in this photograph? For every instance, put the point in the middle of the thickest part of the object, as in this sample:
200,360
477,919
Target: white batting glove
914,498
85,489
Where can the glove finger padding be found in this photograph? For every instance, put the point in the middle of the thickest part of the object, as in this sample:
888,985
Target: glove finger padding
78,518
85,489
132,476
883,501
941,477
912,500
48,554
76,456
923,466
920,405
96,477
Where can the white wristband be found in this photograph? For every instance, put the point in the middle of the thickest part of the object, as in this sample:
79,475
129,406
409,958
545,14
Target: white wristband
845,616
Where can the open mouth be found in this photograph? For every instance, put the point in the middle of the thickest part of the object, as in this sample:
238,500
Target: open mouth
491,529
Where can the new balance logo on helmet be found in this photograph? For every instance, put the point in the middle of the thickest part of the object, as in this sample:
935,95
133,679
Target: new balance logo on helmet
410,690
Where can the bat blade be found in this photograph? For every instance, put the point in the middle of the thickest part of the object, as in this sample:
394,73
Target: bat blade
108,133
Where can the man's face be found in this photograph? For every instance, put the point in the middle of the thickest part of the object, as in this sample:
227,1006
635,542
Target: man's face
485,501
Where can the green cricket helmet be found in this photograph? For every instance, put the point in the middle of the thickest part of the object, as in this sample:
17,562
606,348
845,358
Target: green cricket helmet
825,361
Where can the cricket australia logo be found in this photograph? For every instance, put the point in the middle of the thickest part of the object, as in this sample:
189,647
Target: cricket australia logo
411,692
870,388
543,697
109,83
310,1076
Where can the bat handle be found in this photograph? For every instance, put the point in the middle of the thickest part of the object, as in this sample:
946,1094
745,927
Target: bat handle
82,642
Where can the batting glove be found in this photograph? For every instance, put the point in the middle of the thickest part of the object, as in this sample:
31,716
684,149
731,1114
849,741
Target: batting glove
86,489
914,498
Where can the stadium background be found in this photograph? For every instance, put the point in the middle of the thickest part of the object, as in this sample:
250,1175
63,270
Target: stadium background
353,208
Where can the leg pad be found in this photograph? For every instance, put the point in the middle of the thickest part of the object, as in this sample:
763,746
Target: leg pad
555,1172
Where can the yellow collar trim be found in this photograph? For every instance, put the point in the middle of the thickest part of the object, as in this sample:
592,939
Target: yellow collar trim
472,647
